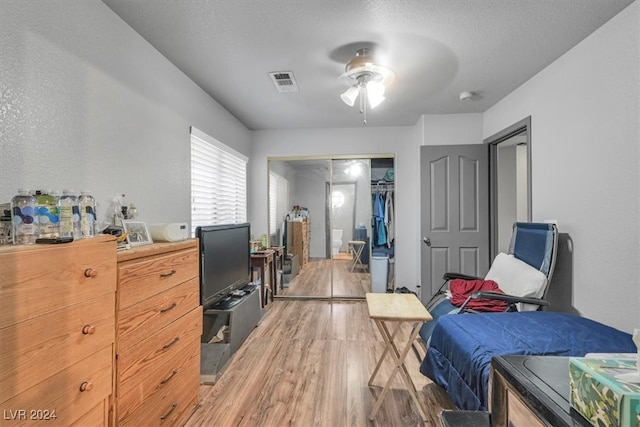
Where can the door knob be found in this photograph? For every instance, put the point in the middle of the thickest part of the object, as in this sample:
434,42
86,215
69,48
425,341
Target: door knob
426,241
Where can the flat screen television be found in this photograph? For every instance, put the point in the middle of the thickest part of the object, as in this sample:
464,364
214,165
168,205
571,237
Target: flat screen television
225,260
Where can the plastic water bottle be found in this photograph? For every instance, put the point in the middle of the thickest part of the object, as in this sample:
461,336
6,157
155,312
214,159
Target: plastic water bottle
48,219
133,211
69,212
24,219
88,215
114,212
5,226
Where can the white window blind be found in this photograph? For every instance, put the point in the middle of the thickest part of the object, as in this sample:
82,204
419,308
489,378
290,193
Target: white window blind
218,182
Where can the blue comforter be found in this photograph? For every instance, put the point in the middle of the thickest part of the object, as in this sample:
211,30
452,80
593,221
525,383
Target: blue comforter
459,355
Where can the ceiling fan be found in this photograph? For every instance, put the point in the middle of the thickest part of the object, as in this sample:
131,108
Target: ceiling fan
368,81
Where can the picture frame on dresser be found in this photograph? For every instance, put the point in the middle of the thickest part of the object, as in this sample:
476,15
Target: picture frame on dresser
137,233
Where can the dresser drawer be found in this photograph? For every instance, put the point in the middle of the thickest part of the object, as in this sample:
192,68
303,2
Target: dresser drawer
171,373
36,349
136,321
144,358
143,278
518,414
170,407
61,395
96,416
159,325
38,279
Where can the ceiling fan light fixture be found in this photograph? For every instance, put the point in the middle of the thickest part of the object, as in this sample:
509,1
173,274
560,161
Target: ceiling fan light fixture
375,93
350,95
367,79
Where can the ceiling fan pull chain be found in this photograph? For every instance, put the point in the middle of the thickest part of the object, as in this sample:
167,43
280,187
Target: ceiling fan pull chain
363,102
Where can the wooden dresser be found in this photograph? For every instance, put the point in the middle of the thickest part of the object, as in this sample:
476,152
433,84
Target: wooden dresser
158,329
298,234
57,332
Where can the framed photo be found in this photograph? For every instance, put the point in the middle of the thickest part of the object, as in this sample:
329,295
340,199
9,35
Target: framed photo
137,233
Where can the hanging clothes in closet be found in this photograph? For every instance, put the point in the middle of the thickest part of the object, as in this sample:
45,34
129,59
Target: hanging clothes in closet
382,219
389,217
379,227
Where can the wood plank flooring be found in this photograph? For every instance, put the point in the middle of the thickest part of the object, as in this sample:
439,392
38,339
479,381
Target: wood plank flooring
307,364
315,279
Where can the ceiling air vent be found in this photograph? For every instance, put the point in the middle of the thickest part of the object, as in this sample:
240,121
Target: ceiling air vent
284,81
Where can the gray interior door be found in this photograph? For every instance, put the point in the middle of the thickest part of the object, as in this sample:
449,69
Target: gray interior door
455,212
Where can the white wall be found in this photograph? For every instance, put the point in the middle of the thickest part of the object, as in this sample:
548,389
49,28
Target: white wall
507,202
522,179
451,129
585,138
404,142
86,103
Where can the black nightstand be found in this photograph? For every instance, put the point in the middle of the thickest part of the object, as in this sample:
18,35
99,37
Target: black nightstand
532,390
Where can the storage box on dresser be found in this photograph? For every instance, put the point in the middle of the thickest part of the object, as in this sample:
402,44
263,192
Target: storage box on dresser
600,395
158,329
57,332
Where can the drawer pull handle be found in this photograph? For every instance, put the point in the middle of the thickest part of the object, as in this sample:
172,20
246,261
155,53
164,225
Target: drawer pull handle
166,380
90,272
88,329
165,275
86,386
174,405
172,306
175,340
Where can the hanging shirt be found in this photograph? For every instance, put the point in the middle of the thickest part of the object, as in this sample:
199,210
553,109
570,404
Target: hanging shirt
378,212
388,217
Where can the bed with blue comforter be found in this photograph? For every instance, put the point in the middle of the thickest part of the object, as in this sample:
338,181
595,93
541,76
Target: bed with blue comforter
461,347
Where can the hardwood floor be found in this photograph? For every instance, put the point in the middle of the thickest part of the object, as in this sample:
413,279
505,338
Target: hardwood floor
307,364
309,361
315,279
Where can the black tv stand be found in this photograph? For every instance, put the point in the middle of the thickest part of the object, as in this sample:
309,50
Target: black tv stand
233,298
239,314
227,302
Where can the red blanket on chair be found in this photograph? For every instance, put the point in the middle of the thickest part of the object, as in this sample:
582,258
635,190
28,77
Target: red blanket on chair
461,289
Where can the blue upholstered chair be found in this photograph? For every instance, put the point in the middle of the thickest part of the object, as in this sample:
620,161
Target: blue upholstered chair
523,274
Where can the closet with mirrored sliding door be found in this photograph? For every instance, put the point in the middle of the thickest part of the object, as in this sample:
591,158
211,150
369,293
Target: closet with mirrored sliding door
332,198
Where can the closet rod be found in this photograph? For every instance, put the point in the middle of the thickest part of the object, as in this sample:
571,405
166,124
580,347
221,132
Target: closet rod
382,186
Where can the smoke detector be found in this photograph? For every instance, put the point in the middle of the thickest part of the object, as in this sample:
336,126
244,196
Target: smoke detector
466,96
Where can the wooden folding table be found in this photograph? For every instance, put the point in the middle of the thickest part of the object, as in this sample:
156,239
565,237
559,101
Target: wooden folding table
386,309
356,247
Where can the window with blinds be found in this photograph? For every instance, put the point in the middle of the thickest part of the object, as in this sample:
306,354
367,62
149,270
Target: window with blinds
218,182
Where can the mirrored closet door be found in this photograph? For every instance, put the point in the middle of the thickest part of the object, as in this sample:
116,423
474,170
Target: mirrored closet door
321,211
297,222
350,226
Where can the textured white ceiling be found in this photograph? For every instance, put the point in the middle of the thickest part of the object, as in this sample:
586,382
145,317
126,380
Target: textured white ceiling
437,49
